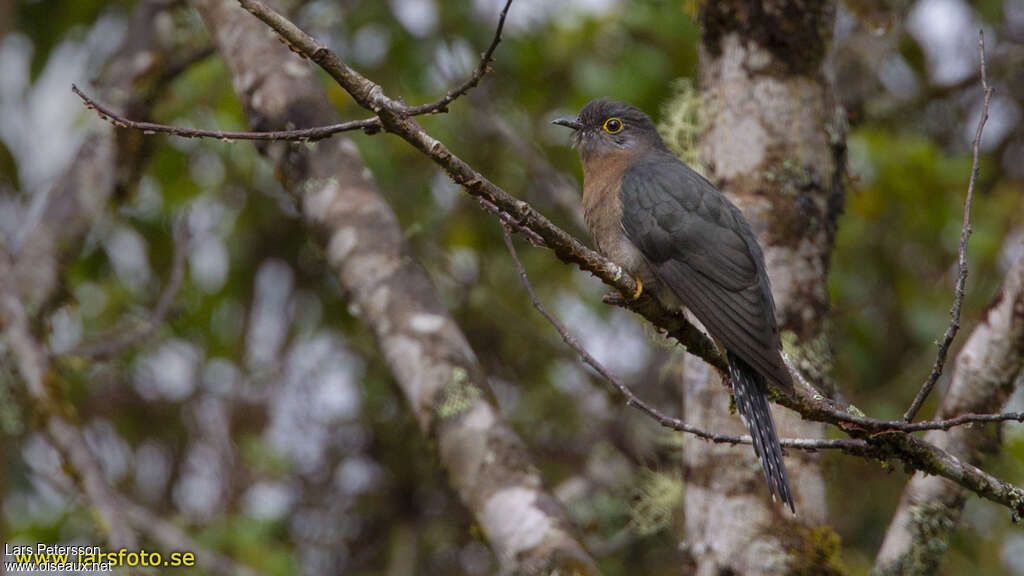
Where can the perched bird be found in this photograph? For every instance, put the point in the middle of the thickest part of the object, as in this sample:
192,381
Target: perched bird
688,245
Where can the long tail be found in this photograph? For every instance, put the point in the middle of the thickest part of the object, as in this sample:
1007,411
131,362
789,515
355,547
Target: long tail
748,387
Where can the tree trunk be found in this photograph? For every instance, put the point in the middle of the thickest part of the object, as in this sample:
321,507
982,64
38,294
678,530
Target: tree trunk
773,146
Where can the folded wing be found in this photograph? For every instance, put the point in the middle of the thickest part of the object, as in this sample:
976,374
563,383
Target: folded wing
700,246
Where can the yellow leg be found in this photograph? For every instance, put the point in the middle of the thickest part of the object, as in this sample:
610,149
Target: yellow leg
639,289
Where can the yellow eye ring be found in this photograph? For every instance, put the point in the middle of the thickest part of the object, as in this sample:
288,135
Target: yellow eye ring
613,126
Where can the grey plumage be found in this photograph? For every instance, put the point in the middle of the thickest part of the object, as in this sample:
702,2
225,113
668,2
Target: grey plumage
700,245
672,228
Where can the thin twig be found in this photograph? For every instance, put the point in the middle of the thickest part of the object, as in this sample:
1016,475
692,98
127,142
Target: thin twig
481,70
510,221
369,125
965,234
182,62
122,340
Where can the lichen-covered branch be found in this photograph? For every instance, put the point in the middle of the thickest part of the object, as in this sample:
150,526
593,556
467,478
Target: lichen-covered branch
431,360
986,369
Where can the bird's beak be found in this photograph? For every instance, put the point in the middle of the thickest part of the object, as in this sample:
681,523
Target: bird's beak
568,123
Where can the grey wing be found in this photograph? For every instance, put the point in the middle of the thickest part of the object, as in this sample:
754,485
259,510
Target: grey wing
700,246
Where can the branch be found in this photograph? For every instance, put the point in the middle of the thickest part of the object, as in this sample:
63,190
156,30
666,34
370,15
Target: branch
121,340
965,234
538,228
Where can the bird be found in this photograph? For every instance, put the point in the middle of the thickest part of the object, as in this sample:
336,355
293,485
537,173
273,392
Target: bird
688,246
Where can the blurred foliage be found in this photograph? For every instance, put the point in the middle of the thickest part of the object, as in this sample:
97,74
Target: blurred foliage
375,490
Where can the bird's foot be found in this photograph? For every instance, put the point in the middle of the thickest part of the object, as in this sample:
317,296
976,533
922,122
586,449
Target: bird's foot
639,289
614,298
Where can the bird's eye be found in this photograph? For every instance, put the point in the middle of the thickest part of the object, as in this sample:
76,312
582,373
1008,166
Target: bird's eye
613,125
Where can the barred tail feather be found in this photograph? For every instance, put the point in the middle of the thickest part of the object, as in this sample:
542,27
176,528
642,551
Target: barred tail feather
748,388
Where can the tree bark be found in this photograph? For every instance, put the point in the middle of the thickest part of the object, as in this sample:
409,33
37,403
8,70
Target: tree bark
772,146
986,369
432,362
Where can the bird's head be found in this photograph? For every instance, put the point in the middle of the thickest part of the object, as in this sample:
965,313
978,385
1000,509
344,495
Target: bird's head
605,127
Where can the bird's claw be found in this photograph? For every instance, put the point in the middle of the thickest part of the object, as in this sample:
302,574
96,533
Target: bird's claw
613,298
639,289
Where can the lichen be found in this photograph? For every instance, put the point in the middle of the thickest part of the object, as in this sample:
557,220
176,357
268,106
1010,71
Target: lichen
814,550
657,497
681,123
790,177
930,527
458,395
813,358
1016,504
